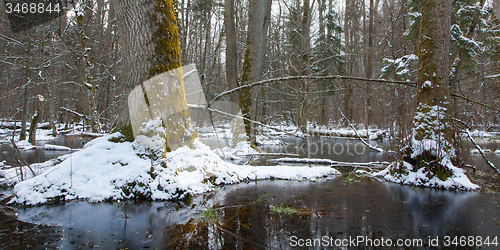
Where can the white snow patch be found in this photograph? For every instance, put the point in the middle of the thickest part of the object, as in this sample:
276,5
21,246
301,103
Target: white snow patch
56,147
25,144
105,170
458,180
475,151
479,133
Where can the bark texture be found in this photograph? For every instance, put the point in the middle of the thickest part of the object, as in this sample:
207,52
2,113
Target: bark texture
254,58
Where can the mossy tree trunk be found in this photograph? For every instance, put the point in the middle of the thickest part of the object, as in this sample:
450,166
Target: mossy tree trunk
253,61
150,46
431,141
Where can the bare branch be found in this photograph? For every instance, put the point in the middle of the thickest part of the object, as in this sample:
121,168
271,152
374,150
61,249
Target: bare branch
355,131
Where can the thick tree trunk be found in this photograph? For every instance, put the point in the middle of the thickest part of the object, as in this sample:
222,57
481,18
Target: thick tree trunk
135,32
150,46
432,132
348,58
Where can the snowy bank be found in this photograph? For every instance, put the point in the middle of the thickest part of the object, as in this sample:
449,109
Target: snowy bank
404,173
105,170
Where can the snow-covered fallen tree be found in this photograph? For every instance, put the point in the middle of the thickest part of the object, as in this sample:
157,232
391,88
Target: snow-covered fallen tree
106,170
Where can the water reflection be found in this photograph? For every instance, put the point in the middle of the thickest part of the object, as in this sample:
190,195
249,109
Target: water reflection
31,156
244,216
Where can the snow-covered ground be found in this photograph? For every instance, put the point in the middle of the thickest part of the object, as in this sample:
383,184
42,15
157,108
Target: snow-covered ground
420,178
105,170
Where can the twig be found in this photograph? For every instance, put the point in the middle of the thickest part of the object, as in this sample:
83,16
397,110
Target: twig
355,131
24,160
413,84
475,102
74,112
255,122
481,152
477,146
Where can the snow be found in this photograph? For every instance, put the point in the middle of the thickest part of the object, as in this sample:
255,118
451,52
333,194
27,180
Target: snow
236,153
420,178
56,147
478,133
373,134
10,176
430,124
104,170
25,144
427,84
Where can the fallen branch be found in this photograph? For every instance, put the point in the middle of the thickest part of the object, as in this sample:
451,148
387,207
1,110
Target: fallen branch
481,152
379,165
272,154
24,161
355,131
411,84
477,146
75,113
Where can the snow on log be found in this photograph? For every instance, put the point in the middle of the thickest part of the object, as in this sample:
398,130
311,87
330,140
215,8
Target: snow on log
56,147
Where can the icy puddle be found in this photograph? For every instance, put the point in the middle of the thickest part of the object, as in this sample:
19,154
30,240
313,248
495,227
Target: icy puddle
276,214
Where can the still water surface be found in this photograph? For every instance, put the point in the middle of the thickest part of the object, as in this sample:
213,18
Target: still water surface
242,217
276,214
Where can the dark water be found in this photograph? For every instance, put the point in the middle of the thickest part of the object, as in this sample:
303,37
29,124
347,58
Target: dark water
333,213
353,150
242,217
31,156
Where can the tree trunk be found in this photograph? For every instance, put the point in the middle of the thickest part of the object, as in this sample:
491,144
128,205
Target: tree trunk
150,46
254,58
34,120
432,132
348,58
81,16
135,32
305,46
231,49
369,62
24,112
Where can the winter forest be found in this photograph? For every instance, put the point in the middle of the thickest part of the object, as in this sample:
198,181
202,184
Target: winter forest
239,114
